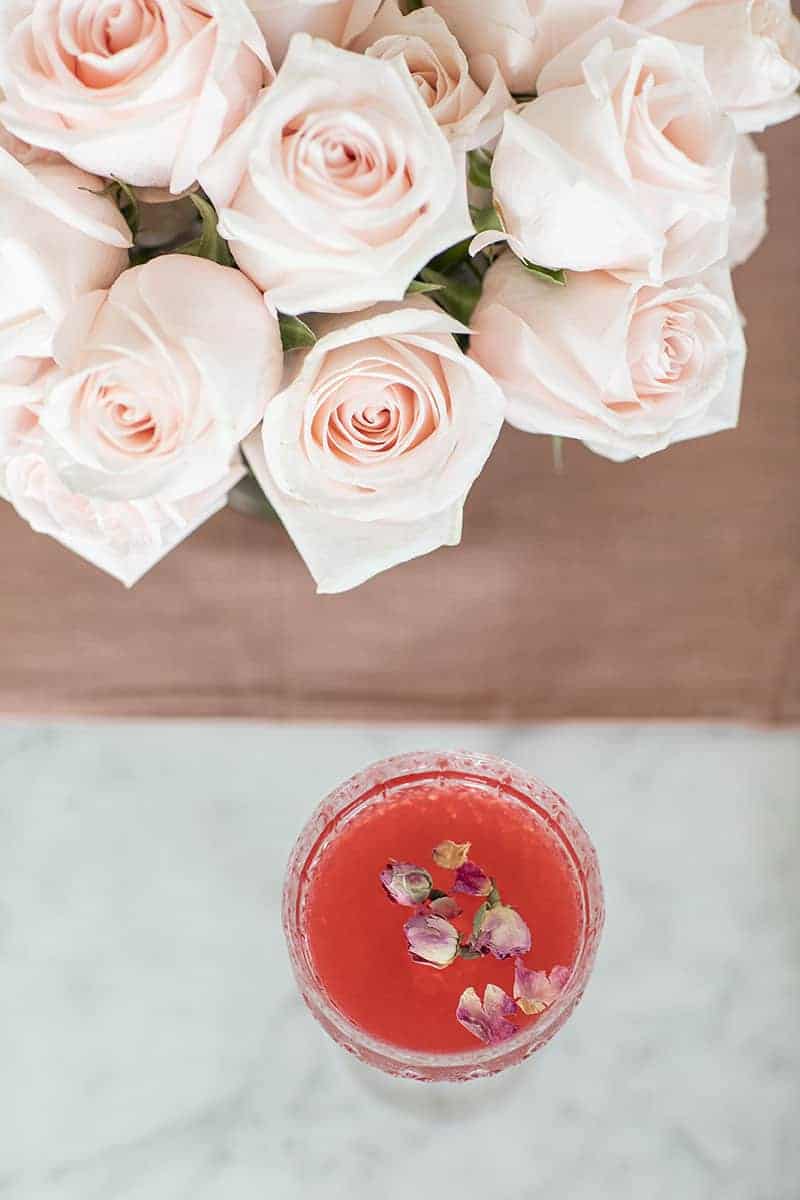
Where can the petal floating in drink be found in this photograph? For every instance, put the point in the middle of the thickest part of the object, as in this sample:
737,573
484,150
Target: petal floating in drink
432,941
472,879
445,906
488,1021
502,932
406,883
451,855
534,991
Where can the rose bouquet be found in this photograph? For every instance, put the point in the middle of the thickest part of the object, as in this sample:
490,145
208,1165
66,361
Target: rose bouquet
338,243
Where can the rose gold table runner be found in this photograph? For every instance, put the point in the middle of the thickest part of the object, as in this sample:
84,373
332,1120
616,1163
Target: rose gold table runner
663,588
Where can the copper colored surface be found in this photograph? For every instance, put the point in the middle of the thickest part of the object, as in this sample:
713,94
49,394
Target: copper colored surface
663,588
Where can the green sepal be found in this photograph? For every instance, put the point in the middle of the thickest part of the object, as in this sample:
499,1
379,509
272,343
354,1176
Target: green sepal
486,218
551,276
480,169
295,334
457,298
209,244
418,287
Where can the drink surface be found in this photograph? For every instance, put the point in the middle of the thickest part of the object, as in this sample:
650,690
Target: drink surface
355,933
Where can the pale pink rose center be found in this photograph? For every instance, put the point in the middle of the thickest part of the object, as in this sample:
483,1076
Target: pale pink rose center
341,157
665,351
131,424
377,408
669,127
108,42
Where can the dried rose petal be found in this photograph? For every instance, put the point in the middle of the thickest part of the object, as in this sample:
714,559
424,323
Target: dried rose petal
534,991
502,932
487,1021
406,883
432,941
472,879
451,855
445,906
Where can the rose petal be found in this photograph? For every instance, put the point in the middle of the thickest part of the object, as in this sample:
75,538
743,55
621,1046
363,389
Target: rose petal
445,906
451,855
535,991
472,879
487,1021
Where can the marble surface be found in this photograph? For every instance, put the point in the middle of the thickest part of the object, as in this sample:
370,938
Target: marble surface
152,1046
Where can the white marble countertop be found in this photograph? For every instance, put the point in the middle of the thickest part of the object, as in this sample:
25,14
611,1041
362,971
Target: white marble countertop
152,1046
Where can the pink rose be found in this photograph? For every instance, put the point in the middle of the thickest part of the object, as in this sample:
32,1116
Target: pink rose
626,161
627,370
123,537
751,47
369,452
340,186
160,378
469,115
58,241
520,35
749,196
337,21
23,383
143,90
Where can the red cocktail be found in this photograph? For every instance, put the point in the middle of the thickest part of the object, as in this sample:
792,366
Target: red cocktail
456,862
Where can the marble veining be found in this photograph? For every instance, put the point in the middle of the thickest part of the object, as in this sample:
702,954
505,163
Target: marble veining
152,1046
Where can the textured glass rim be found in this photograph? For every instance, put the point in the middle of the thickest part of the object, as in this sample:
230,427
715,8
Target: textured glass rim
366,787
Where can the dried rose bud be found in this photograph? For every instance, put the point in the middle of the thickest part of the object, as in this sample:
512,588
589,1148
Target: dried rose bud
534,991
502,932
445,906
406,884
451,855
432,941
472,879
488,1021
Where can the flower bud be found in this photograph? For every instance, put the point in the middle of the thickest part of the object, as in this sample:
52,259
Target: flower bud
432,941
502,932
472,879
406,883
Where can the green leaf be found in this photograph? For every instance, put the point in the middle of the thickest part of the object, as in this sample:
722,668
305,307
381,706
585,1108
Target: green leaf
209,245
545,273
485,218
295,334
478,920
451,258
412,5
480,168
420,287
454,296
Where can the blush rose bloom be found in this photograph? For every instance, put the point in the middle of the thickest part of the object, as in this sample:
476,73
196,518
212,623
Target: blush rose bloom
368,454
143,90
337,21
123,537
626,370
752,51
23,383
520,35
58,241
160,378
469,115
749,195
340,185
626,161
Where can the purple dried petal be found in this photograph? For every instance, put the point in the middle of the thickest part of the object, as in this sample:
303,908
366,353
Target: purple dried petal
451,855
487,1021
445,906
534,991
502,932
472,879
406,883
432,941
